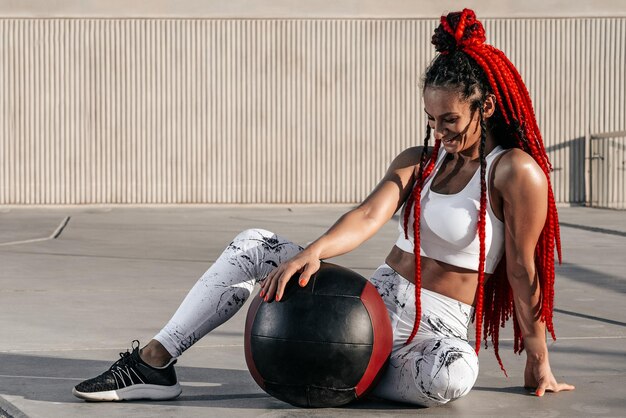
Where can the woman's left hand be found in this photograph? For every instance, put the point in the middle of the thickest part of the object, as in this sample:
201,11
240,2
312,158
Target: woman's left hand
538,376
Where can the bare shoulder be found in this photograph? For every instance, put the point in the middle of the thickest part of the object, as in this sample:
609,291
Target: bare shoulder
395,186
409,156
516,169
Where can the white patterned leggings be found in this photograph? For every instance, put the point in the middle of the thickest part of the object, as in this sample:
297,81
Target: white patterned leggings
437,367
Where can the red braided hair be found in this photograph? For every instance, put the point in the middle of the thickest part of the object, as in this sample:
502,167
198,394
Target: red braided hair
414,199
461,32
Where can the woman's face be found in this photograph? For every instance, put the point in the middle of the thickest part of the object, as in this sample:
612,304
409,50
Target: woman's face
451,120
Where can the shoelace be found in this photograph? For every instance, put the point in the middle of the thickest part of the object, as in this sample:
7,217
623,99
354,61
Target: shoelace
126,358
125,365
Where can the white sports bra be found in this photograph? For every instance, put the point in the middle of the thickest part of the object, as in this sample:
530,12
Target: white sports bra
448,223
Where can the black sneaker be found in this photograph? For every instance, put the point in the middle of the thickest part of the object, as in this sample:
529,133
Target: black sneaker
131,378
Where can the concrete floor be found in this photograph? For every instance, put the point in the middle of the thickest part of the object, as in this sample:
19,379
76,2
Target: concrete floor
69,305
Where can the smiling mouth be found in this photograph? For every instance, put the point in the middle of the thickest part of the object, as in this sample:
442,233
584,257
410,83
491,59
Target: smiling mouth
457,136
451,140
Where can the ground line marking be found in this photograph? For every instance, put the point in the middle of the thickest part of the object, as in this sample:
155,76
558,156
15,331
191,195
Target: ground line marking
54,235
41,377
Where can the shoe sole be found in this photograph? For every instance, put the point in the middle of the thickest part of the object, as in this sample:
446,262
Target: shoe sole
134,392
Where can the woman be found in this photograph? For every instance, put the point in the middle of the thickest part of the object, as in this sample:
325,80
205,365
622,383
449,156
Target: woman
478,232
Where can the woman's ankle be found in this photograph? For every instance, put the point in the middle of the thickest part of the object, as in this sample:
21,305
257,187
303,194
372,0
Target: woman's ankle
154,354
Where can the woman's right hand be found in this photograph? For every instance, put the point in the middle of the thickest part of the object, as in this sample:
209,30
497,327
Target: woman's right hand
306,263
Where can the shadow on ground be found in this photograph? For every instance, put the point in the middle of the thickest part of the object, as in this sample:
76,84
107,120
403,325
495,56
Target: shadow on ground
199,384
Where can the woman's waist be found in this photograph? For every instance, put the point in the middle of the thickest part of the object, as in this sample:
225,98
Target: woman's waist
441,316
450,281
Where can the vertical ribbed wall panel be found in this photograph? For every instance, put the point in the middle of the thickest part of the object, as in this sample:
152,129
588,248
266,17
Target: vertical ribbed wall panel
263,111
608,167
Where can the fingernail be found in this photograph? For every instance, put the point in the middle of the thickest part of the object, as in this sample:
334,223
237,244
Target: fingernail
266,298
262,293
277,298
302,283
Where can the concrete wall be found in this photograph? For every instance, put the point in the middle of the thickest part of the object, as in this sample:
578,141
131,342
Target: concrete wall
218,110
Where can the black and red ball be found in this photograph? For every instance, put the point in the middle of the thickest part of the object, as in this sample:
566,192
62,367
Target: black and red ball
322,345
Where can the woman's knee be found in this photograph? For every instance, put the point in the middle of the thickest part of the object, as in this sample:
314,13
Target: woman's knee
249,239
258,251
253,234
447,370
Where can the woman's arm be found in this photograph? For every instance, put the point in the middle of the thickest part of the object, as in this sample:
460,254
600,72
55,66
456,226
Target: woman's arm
524,190
351,229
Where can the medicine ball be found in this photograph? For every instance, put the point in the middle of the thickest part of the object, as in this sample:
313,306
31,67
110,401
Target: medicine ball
322,345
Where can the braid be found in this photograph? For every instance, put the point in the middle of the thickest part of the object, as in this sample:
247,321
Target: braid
498,293
467,65
426,167
478,313
423,157
417,191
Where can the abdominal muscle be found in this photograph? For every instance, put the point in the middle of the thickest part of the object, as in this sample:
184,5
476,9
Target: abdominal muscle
448,280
